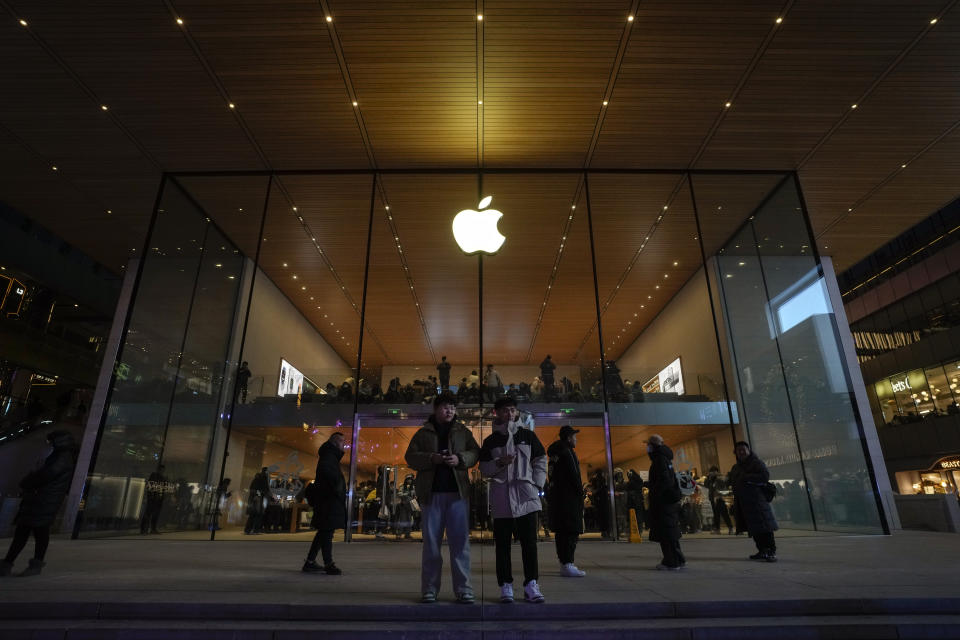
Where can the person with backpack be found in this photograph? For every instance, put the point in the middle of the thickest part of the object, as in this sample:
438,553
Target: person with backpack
328,499
750,481
664,513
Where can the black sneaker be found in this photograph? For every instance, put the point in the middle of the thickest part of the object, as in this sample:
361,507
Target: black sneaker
332,570
311,566
759,555
771,557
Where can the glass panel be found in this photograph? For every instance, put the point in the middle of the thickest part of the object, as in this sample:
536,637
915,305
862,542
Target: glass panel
939,391
153,466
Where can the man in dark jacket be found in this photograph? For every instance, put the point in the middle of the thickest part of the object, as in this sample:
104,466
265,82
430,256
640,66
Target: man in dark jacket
330,510
715,484
635,497
547,368
257,498
443,370
664,514
43,492
747,479
565,497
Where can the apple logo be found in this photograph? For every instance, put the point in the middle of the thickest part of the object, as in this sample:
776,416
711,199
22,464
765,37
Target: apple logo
476,231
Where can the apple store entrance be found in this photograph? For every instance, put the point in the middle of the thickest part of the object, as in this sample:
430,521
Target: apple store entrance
272,309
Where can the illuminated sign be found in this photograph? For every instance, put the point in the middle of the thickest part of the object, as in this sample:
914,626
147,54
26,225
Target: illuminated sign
899,386
950,464
476,231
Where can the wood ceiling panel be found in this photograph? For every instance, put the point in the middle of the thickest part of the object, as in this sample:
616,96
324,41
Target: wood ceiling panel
234,203
413,66
725,201
277,64
822,59
135,58
683,61
545,70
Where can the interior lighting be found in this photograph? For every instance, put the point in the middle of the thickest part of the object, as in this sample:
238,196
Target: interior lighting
656,287
329,18
54,167
294,208
666,275
903,166
664,207
218,265
606,102
354,103
284,264
303,288
675,263
727,105
103,107
294,276
180,21
23,22
778,20
387,207
853,106
480,17
479,101
232,106
629,18
109,211
933,21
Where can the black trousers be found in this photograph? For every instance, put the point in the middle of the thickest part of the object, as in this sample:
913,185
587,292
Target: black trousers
526,529
41,537
322,542
566,545
672,555
765,541
720,512
151,515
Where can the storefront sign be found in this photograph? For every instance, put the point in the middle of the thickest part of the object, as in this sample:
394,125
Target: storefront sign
952,463
900,385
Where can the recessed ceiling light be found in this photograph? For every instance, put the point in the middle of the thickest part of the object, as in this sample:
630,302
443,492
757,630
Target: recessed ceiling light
354,103
303,288
179,20
934,21
294,276
284,264
294,208
903,166
629,18
778,20
727,104
23,22
109,211
606,102
666,275
853,106
103,107
479,16
387,207
675,263
232,106
479,101
54,167
329,18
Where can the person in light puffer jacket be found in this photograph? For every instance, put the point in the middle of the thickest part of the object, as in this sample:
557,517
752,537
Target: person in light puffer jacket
516,463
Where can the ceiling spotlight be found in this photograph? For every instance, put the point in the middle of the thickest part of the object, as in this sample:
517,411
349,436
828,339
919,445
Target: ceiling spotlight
232,106
23,22
479,101
903,166
934,21
727,105
354,103
180,21
606,102
103,107
778,20
629,18
853,106
329,18
54,167
480,16
675,263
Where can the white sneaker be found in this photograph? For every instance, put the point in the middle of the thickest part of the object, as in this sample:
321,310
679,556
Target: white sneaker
531,592
570,570
506,593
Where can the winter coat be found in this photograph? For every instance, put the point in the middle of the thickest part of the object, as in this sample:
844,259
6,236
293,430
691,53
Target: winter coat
45,488
565,490
493,380
514,488
664,513
425,443
752,509
330,511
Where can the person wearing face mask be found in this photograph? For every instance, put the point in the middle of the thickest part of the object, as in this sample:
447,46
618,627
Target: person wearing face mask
566,499
43,492
516,463
747,478
664,513
441,452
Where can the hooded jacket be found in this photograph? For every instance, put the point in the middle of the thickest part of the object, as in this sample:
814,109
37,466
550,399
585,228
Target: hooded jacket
752,509
664,514
330,511
565,494
45,488
514,488
425,443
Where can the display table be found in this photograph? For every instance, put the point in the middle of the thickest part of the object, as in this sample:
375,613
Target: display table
296,510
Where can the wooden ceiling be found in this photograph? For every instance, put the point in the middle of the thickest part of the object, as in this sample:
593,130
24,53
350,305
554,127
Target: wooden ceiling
435,87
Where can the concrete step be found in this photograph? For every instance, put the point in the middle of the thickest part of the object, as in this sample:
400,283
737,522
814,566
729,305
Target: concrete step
894,618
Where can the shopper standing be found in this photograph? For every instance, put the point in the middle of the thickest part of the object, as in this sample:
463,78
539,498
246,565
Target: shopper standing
441,452
715,483
635,498
493,384
156,489
747,478
257,498
516,463
43,492
330,510
547,368
565,497
444,370
243,378
664,515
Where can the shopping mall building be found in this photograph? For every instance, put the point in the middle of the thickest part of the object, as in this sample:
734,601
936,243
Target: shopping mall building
320,191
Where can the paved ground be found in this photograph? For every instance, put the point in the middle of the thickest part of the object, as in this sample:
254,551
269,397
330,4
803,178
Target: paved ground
163,570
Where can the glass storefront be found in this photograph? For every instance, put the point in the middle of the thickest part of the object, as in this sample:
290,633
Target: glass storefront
274,310
919,393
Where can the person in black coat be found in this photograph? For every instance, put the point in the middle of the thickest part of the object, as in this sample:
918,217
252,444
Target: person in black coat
43,493
664,514
635,497
747,479
155,492
258,497
330,508
565,497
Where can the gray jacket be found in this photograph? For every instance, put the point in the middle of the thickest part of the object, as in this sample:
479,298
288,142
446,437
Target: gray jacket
514,488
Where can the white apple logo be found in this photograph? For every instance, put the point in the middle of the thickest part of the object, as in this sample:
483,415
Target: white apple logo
476,231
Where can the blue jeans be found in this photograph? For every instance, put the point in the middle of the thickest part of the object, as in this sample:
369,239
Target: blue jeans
450,512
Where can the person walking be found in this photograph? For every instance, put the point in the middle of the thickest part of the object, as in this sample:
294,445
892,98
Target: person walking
441,452
715,484
43,492
443,370
330,508
243,378
664,514
565,497
257,498
515,461
492,384
748,478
